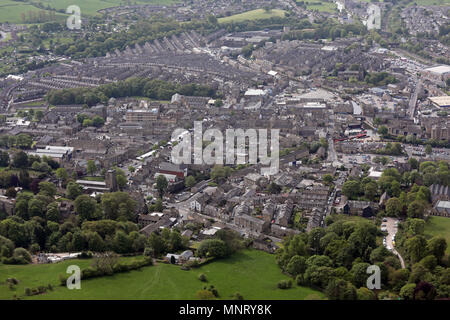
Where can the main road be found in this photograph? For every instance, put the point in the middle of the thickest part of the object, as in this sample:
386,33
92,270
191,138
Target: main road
413,100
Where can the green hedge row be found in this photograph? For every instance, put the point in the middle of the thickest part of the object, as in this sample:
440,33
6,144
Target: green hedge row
91,272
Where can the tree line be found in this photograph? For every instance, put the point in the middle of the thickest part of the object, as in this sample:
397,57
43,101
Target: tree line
143,87
335,260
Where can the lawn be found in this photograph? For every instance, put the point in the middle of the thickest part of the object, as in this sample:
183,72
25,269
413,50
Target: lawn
346,217
94,178
439,226
254,274
257,14
33,275
320,5
90,7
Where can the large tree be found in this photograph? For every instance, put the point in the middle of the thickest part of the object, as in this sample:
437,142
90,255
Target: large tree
85,207
394,207
351,189
91,167
416,247
20,160
73,190
161,185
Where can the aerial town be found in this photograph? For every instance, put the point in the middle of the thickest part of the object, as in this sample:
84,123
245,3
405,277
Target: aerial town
89,116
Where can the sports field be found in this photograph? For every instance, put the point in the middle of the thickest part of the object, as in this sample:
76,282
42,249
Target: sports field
318,5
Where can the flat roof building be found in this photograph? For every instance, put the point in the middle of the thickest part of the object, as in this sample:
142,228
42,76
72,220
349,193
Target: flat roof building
438,74
441,102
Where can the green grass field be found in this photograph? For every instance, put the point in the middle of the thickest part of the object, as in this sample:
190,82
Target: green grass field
439,226
11,11
90,7
94,178
254,274
345,217
33,275
320,5
257,14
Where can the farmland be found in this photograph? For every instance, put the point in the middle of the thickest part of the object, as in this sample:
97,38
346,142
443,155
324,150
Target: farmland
12,11
254,274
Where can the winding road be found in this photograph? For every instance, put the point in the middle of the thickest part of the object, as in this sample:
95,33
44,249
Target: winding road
392,230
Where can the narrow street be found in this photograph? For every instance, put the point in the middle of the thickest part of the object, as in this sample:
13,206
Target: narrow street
392,230
413,101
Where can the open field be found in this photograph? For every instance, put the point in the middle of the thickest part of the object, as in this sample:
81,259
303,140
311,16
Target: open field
254,274
94,178
345,217
11,11
320,5
439,226
90,7
33,275
257,14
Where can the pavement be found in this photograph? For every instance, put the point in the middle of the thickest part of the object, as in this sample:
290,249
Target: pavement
392,230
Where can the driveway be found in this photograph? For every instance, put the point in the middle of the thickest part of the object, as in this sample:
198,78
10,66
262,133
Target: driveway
392,230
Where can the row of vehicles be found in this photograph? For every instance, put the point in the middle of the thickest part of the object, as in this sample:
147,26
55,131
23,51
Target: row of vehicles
384,229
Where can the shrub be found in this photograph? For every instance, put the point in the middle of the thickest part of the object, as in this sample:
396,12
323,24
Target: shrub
238,296
300,280
365,294
27,291
6,247
205,295
407,291
119,267
148,252
193,264
89,272
284,284
42,289
85,255
214,291
21,256
62,279
202,277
